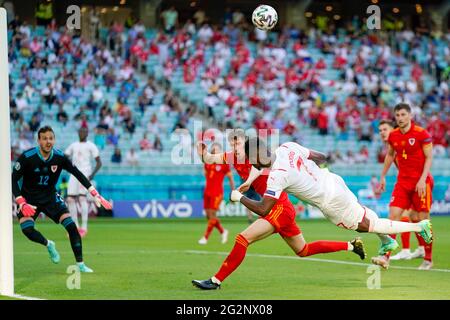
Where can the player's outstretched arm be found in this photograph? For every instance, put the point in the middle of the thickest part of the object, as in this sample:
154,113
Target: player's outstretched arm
261,208
318,157
254,174
388,160
99,200
207,157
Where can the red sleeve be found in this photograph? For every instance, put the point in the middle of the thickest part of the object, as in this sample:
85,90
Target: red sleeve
390,138
425,137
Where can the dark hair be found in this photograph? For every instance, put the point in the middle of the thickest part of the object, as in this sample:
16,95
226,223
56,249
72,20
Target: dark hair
262,151
44,130
388,122
236,133
401,106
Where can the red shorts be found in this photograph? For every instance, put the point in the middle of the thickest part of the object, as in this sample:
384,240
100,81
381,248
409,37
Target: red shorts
212,202
405,196
282,218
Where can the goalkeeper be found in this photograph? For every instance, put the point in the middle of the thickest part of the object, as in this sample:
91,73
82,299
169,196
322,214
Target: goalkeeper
39,169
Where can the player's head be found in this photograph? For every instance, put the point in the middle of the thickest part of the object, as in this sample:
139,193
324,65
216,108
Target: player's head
46,139
385,127
257,153
236,138
403,115
83,134
216,148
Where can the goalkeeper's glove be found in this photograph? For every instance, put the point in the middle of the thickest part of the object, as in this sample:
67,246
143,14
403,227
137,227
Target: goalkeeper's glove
236,196
27,209
99,200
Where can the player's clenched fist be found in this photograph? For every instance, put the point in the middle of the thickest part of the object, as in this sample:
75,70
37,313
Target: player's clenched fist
27,209
99,200
235,196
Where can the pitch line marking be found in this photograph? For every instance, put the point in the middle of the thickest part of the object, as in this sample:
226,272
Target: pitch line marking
18,296
311,259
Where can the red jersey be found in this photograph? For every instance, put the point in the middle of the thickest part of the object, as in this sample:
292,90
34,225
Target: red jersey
409,153
215,173
260,184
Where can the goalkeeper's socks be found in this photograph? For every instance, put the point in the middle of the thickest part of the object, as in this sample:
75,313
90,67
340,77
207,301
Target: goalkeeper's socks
323,246
31,233
75,239
234,259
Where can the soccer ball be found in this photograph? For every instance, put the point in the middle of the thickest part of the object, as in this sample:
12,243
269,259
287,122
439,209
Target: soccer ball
264,17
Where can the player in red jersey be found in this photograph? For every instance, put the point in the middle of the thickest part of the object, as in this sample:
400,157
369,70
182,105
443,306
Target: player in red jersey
385,127
410,145
280,220
213,195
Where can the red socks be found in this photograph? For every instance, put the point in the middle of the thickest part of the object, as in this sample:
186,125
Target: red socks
234,259
211,224
427,247
322,246
405,235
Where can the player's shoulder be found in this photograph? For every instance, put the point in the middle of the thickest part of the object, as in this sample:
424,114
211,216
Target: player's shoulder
30,152
395,131
58,153
419,130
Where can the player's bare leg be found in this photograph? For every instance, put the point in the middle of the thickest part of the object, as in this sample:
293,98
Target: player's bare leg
82,200
27,226
303,249
75,241
425,250
258,230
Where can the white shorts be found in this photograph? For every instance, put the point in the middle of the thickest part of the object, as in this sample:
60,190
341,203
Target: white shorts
343,209
75,188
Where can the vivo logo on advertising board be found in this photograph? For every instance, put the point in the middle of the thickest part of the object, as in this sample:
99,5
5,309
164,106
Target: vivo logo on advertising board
158,209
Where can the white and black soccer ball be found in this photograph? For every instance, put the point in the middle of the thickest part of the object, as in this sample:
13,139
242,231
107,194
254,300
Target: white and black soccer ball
265,17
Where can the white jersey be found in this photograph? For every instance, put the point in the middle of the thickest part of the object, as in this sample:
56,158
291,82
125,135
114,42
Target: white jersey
82,155
295,174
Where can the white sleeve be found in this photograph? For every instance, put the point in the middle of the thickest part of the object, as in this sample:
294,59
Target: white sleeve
276,183
69,150
304,152
94,151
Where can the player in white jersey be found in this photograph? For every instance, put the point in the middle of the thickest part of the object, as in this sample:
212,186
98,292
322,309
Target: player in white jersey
81,153
295,170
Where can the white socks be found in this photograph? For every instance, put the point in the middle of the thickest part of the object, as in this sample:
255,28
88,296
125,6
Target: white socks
349,246
386,226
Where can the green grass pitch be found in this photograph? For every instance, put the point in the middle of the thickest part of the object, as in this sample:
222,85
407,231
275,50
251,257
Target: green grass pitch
145,259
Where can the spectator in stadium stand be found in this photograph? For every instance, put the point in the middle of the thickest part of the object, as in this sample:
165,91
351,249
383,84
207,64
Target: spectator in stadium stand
154,126
34,123
157,144
62,116
112,137
130,127
199,17
363,155
132,158
170,19
145,143
116,156
322,122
